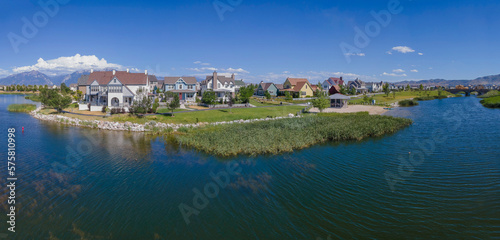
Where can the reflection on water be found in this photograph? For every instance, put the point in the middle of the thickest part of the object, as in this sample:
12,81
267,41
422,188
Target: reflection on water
79,183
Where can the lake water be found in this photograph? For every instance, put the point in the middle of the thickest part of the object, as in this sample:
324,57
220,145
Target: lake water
439,178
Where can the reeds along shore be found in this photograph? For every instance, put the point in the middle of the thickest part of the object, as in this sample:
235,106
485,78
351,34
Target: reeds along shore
21,108
286,135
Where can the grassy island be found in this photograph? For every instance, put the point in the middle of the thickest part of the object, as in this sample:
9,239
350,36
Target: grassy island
491,102
286,135
21,108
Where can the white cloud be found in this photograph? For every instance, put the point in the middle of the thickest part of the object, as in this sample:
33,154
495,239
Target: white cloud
420,54
393,74
356,54
203,69
401,49
201,63
4,73
414,70
398,70
66,65
233,70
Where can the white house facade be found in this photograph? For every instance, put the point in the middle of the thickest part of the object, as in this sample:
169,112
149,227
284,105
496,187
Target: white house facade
221,85
114,89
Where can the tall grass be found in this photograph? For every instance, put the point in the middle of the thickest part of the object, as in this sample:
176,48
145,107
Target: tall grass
407,103
21,108
492,93
285,135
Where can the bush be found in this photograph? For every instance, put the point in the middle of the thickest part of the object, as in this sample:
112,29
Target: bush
408,103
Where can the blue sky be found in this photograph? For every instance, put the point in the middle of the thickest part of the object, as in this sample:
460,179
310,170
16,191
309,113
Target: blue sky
258,40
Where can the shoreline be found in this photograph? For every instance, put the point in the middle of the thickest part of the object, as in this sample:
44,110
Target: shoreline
136,127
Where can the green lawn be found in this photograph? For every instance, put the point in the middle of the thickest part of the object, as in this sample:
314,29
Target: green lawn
166,110
213,115
383,100
263,102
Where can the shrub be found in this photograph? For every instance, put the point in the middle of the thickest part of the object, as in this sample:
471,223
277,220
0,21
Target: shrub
408,103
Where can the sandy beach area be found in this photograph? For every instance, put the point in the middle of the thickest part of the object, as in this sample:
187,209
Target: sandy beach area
372,110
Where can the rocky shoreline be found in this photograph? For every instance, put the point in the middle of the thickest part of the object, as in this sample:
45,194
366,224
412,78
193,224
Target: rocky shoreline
135,127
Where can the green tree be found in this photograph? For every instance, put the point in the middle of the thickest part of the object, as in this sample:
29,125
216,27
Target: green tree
321,102
343,90
209,98
174,104
156,104
288,97
65,89
268,95
421,87
230,101
246,93
51,98
387,89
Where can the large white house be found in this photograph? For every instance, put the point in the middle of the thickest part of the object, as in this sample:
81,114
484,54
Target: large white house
221,85
113,89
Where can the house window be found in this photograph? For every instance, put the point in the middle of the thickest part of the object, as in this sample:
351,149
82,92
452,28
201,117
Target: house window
218,85
190,86
180,86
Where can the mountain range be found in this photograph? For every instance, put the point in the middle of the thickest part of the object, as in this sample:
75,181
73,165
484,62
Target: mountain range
38,78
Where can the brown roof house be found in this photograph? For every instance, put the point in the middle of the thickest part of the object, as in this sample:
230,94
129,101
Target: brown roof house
299,86
267,87
114,88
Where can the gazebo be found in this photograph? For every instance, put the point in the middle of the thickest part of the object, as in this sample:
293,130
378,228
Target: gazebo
339,101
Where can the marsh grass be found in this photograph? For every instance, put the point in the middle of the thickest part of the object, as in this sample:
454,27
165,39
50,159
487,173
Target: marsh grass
21,108
286,135
407,103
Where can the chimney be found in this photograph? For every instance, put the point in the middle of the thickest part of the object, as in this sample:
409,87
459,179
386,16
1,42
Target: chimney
128,70
214,81
146,72
114,72
232,76
91,70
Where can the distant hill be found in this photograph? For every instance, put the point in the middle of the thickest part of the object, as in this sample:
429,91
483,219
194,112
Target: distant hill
70,78
27,78
488,80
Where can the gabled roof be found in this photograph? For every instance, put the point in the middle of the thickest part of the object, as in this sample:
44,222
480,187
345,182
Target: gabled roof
314,87
152,78
73,85
127,78
300,85
279,86
239,83
266,86
82,81
173,80
295,81
339,96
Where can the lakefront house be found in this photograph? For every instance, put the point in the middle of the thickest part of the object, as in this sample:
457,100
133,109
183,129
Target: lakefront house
113,89
267,87
185,87
298,87
330,82
221,85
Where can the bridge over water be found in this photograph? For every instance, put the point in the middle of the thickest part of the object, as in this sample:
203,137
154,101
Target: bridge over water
469,91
